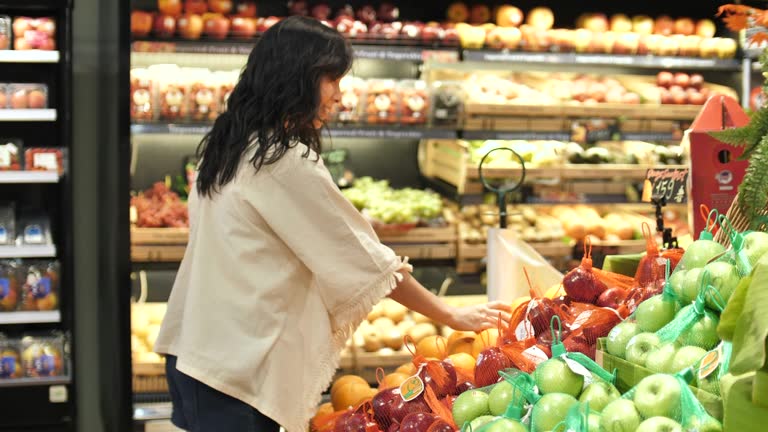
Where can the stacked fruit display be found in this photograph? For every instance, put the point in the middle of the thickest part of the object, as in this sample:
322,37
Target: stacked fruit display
159,207
674,330
531,225
681,88
146,319
29,33
29,286
220,19
594,33
388,324
548,88
385,205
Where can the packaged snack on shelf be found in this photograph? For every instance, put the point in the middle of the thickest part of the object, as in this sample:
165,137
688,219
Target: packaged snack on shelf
34,33
40,287
142,100
10,359
382,101
414,97
35,229
7,223
447,103
28,96
10,154
43,356
172,91
44,159
226,83
351,99
9,286
202,97
4,96
5,32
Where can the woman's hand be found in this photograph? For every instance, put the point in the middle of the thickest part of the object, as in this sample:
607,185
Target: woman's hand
480,317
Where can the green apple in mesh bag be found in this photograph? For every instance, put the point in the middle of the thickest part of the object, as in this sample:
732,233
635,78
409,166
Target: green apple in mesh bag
655,312
659,424
640,346
676,281
469,406
599,394
657,395
500,397
690,288
755,246
620,415
550,410
480,422
724,278
554,376
698,254
506,425
619,336
703,333
659,360
687,356
703,424
593,422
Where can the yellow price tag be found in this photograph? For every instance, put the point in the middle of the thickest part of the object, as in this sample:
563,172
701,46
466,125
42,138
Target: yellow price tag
411,388
709,363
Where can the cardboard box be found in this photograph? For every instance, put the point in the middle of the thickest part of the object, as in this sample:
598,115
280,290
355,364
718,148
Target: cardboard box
715,174
629,375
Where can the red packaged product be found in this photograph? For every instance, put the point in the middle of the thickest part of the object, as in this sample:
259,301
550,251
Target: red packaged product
414,102
44,159
9,286
5,32
382,102
203,101
142,102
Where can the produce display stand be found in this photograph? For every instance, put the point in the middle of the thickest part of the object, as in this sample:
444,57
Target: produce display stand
629,374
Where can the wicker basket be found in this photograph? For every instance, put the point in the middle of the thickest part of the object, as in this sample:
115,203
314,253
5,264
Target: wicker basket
738,221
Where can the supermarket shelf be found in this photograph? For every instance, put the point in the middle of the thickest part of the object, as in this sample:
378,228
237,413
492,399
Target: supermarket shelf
570,172
27,115
371,51
29,56
392,132
43,251
30,382
29,177
517,135
30,317
646,62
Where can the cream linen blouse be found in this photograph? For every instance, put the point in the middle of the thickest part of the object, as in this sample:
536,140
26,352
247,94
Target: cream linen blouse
279,270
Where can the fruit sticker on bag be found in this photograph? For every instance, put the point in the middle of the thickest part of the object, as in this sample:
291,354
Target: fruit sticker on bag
713,367
659,402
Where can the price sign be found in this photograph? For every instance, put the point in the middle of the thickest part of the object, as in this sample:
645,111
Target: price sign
669,183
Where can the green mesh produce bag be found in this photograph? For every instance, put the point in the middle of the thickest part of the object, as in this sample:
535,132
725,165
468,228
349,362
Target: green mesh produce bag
713,367
662,400
554,382
580,419
502,402
509,401
695,324
659,310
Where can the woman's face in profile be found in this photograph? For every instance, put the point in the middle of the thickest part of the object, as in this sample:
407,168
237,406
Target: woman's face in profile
330,96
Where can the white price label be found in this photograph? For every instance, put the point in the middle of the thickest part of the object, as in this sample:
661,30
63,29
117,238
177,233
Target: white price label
58,394
46,161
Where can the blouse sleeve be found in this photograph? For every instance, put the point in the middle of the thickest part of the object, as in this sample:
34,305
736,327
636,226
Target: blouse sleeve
352,269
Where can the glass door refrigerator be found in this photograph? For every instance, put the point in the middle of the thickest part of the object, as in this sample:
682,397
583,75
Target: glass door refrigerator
37,381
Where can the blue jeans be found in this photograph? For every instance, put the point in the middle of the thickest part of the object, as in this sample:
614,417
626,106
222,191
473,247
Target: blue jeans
200,408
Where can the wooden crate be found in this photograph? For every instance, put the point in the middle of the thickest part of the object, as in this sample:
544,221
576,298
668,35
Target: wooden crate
149,378
158,244
430,243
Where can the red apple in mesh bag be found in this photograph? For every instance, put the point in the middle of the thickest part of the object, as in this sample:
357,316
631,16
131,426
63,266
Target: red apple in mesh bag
417,422
366,14
582,285
489,363
389,407
540,313
580,344
165,26
195,6
443,382
350,422
441,426
394,427
612,297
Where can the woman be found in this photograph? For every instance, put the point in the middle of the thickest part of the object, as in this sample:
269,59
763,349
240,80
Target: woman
280,267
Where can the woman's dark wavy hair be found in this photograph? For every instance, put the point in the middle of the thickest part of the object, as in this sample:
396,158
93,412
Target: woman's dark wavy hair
275,101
